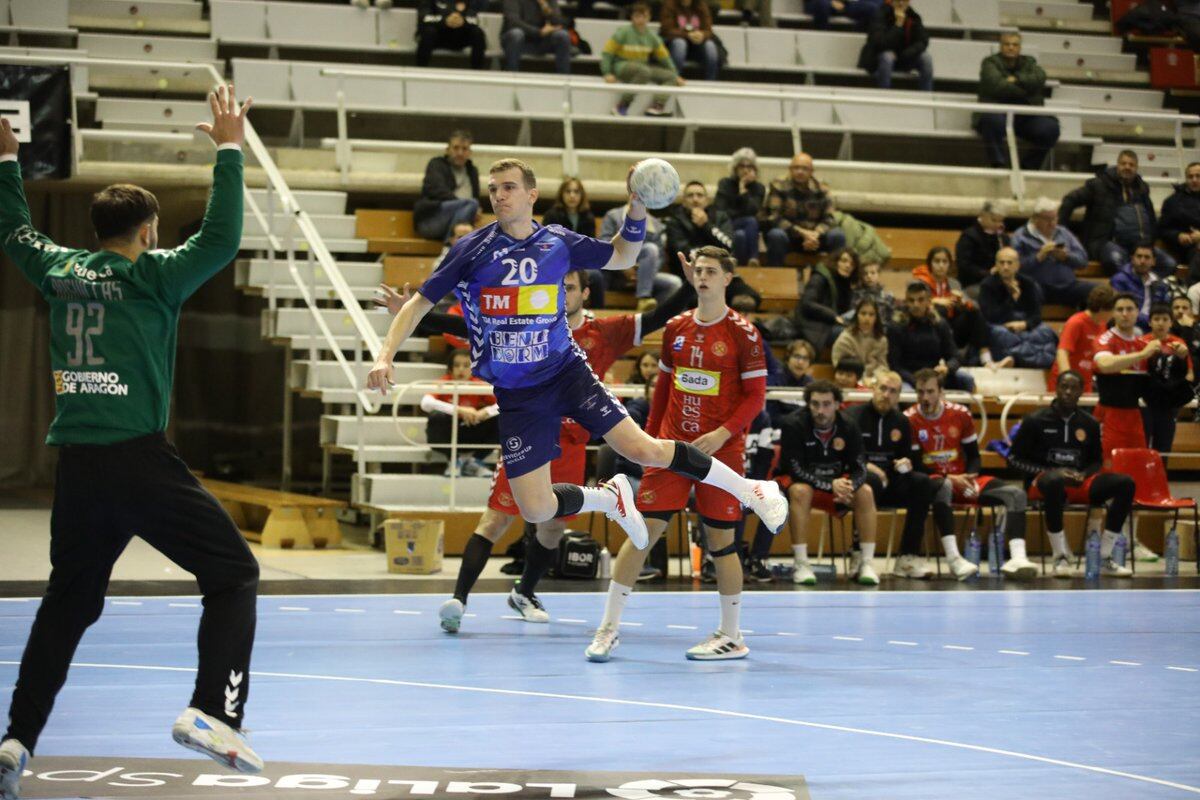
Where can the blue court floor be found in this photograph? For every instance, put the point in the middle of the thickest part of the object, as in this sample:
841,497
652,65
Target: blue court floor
1034,694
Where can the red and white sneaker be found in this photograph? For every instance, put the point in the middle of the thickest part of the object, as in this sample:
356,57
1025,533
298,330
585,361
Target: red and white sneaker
766,500
626,514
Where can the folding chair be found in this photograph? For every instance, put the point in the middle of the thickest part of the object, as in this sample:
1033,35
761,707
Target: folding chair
1153,492
1038,503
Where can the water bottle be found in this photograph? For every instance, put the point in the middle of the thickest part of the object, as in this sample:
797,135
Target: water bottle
1092,562
605,570
974,549
995,551
1118,551
1172,553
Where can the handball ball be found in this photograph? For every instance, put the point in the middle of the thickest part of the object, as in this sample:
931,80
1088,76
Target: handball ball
656,182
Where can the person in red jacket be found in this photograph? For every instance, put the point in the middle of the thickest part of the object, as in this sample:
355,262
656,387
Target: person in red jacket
1077,342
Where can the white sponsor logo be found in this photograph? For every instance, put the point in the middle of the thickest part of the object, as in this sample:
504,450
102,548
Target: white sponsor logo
232,691
17,114
513,443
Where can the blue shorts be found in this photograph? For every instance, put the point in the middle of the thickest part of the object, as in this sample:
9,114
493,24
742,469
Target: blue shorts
530,417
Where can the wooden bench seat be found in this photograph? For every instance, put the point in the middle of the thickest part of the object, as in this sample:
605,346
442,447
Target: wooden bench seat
280,519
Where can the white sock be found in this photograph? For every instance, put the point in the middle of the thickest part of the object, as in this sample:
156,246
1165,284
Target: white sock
1058,543
615,604
985,357
1107,540
731,611
868,551
800,552
598,498
722,477
1016,547
950,546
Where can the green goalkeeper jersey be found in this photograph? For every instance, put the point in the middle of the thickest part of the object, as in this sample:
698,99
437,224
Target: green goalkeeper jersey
113,322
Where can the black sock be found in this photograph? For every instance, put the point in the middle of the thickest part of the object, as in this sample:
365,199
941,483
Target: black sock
690,462
943,519
570,499
538,560
474,559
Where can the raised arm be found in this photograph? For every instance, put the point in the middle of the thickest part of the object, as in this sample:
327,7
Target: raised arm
628,241
403,325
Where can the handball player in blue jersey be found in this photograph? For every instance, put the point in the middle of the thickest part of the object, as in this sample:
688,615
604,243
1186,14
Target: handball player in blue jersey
508,277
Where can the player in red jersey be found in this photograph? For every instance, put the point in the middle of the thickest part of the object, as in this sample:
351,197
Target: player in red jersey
1121,378
1077,342
603,340
946,446
711,385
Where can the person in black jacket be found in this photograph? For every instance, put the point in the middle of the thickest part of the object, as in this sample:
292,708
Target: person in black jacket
572,211
923,340
897,40
1012,305
450,25
822,454
535,27
691,223
741,195
827,299
450,190
1119,215
975,251
1058,451
887,445
1179,225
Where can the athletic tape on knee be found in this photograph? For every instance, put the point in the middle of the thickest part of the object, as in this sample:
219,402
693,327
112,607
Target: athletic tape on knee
728,550
690,462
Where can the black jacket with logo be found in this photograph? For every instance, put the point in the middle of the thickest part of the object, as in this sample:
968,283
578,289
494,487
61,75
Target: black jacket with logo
885,437
809,460
1048,440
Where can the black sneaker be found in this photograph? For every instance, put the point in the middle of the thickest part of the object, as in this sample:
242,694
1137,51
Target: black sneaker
757,571
708,571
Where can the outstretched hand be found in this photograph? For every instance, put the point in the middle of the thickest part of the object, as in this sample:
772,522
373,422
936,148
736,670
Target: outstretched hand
389,298
8,140
229,122
688,268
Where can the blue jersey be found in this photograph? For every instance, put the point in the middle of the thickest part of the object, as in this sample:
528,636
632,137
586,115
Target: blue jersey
511,295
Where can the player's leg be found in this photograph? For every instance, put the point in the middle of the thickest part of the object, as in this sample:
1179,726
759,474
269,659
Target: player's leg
943,519
727,641
1118,489
865,521
540,551
800,501
1014,503
912,491
1053,487
491,526
625,570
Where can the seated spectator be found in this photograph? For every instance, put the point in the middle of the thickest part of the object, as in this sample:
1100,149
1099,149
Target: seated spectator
862,238
826,299
686,27
535,27
626,58
477,420
897,41
691,223
1012,305
796,375
742,297
1051,255
1179,225
975,251
870,287
865,339
1009,78
457,231
1170,373
572,211
450,25
1077,343
861,11
966,322
922,339
848,375
652,284
449,191
1186,326
741,195
798,214
1139,279
646,368
1119,214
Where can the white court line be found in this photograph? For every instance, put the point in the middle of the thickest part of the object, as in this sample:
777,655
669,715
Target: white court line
672,707
570,619
747,630
1072,658
785,633
632,624
1126,663
903,644
956,647
415,613
418,612
691,628
1184,669
294,608
126,602
184,605
511,616
848,638
350,610
1013,652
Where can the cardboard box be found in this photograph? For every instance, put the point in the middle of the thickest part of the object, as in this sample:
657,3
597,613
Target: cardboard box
414,546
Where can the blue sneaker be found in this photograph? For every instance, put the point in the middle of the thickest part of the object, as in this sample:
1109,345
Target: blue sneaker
13,758
223,743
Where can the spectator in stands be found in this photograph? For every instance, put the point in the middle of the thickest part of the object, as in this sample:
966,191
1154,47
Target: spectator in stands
966,322
865,340
535,27
646,368
450,25
1186,327
756,12
798,214
1121,378
897,41
1119,215
1077,343
796,375
1010,78
741,195
686,27
450,190
652,284
975,252
457,231
692,223
862,238
1051,255
1138,279
627,58
825,303
847,376
1170,373
477,419
870,287
572,211
861,11
1012,305
924,340
1179,225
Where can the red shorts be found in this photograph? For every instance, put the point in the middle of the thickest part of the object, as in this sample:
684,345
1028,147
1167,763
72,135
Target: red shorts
822,500
1076,495
1119,427
570,467
981,483
663,490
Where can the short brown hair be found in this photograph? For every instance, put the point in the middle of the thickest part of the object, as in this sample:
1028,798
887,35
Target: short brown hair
643,8
119,210
1101,298
505,164
802,344
925,374
718,254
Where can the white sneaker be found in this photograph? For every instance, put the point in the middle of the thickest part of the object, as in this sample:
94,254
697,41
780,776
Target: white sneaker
474,468
1064,566
1021,569
450,615
530,608
719,647
865,575
804,574
13,758
603,643
963,569
1114,570
1144,554
223,743
626,514
910,566
767,502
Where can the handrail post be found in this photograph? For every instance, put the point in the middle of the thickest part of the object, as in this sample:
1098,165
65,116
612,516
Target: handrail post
343,145
1017,180
1179,149
570,158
